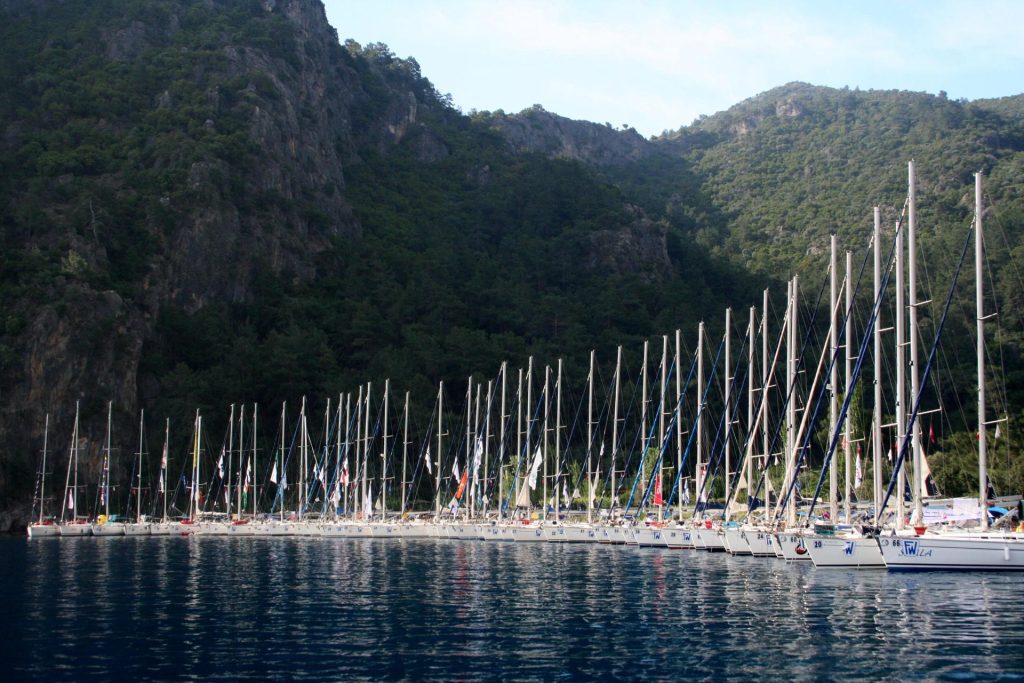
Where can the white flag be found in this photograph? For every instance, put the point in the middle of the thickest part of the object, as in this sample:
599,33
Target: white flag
537,459
71,500
368,503
248,474
321,476
686,494
336,498
478,453
220,464
455,470
162,488
163,460
857,473
426,458
344,473
227,495
284,481
273,474
995,437
565,490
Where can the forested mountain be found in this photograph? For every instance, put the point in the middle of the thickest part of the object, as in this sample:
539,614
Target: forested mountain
214,202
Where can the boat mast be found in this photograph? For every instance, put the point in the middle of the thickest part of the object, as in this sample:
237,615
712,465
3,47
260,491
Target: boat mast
764,405
280,456
644,443
558,442
42,481
405,451
485,499
590,441
241,455
901,389
661,425
163,465
833,407
437,484
791,360
384,457
348,441
106,463
848,371
469,439
979,302
501,438
699,464
876,434
544,440
195,465
679,425
915,381
615,429
303,458
231,450
138,489
367,514
254,470
728,398
751,426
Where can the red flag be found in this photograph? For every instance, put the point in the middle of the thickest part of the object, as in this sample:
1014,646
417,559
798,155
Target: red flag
931,434
658,499
462,485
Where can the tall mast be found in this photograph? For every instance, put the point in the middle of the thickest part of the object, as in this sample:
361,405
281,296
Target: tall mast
876,417
751,427
791,361
469,435
661,423
405,450
764,404
231,450
42,481
679,425
163,465
437,483
195,462
643,417
241,456
833,406
915,380
255,408
901,389
699,460
615,429
529,408
979,302
384,457
487,445
728,396
501,437
519,424
544,439
303,462
590,440
348,440
70,500
138,488
367,514
558,441
847,372
106,463
280,456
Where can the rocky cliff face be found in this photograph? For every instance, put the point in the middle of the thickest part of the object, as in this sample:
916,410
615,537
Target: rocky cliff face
274,112
540,131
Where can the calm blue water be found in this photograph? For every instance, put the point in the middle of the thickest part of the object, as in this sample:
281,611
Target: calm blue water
231,609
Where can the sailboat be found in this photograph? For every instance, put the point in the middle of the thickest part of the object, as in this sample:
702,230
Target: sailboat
980,548
72,523
106,524
141,526
43,527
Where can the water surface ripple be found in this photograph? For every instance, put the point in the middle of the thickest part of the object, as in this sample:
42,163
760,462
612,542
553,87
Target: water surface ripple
355,609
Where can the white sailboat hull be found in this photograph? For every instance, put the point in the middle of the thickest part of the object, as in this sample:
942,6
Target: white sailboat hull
649,537
678,538
735,541
710,540
793,546
847,553
137,529
760,542
43,530
75,529
108,529
973,552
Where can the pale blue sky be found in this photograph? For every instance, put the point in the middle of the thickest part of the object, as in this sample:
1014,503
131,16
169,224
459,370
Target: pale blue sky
657,64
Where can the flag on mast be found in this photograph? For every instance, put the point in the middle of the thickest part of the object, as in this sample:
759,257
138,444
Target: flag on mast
344,473
71,500
658,499
220,464
462,485
455,469
858,475
537,459
273,474
426,459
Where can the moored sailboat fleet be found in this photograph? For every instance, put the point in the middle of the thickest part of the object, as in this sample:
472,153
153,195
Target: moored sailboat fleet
712,451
